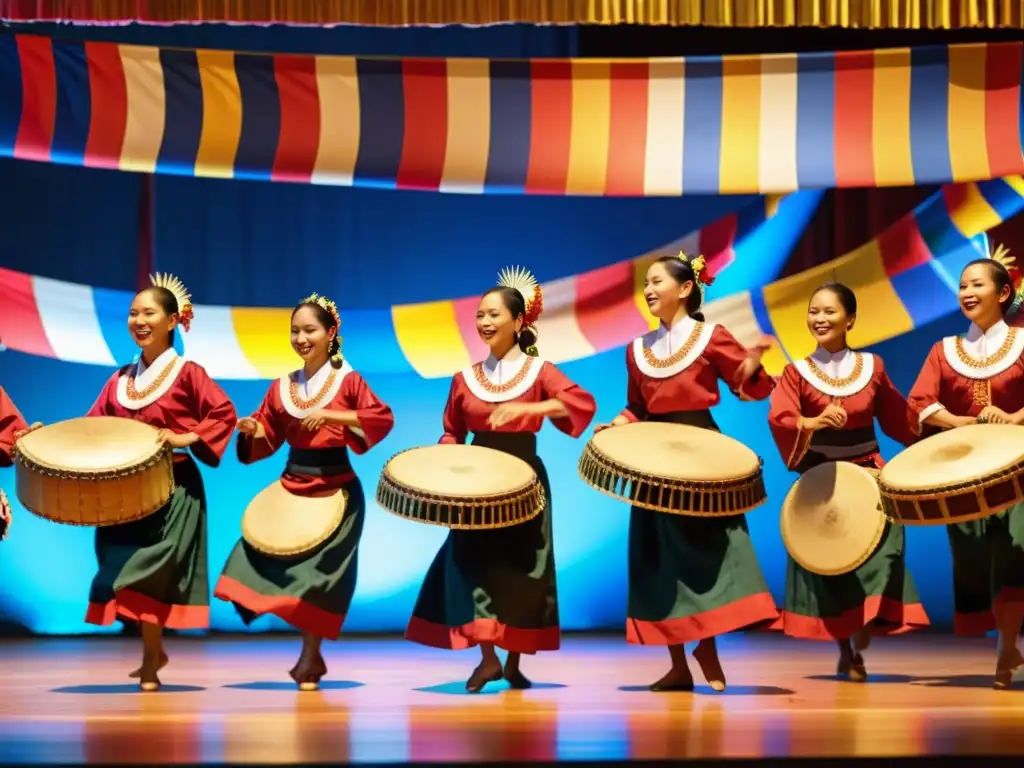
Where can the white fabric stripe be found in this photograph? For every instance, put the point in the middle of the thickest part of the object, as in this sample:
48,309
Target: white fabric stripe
931,410
68,314
560,335
777,155
736,314
663,162
213,344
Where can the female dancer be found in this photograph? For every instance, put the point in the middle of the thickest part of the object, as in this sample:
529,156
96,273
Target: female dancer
690,578
321,411
497,587
979,377
824,409
153,571
12,425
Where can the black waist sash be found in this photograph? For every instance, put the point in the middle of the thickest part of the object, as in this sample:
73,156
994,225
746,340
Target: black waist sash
702,419
318,462
844,438
522,445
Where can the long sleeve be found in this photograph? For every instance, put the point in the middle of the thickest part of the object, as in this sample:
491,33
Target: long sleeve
894,414
214,415
728,356
924,395
784,415
11,422
577,401
251,450
105,402
636,404
375,418
455,430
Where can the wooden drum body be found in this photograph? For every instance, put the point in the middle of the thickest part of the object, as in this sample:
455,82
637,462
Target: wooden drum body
832,518
93,471
464,487
674,468
956,476
281,524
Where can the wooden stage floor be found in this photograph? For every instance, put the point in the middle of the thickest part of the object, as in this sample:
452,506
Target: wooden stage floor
228,700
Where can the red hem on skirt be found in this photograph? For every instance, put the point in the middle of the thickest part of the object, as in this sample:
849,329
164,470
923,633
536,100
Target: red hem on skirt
745,612
983,622
491,631
134,605
302,615
906,616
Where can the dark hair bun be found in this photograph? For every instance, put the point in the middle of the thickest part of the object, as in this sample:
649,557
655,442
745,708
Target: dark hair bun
528,340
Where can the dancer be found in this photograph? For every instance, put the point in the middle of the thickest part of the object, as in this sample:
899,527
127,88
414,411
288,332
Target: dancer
320,411
979,377
824,409
12,426
153,570
690,578
497,587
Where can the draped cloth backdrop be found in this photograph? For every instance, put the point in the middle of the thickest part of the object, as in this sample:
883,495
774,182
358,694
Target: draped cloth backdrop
865,14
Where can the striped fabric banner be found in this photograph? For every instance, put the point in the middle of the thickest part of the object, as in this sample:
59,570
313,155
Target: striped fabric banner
658,127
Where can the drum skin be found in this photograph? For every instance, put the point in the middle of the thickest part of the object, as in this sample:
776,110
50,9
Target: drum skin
94,471
956,476
282,524
832,519
463,487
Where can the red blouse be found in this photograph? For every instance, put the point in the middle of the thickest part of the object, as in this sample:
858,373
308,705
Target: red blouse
11,422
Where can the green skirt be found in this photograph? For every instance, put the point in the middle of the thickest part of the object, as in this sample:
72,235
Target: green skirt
312,592
988,569
494,586
154,570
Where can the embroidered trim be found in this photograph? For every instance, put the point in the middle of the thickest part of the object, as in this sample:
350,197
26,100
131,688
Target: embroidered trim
960,360
863,370
679,361
482,388
323,398
161,385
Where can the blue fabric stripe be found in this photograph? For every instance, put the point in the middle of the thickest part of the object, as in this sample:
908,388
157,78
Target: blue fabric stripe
381,122
929,115
702,125
183,126
10,94
815,120
74,103
261,117
508,159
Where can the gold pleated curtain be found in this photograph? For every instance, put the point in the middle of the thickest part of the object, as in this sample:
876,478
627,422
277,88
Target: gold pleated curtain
864,14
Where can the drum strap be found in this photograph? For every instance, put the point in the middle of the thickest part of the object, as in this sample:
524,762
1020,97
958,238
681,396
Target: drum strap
318,462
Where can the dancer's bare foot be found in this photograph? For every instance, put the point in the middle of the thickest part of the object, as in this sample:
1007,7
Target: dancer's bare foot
1009,662
851,665
516,679
308,672
161,663
706,654
677,679
148,679
487,671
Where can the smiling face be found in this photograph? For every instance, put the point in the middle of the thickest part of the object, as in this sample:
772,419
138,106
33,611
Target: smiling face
311,339
663,294
149,323
495,323
980,295
828,321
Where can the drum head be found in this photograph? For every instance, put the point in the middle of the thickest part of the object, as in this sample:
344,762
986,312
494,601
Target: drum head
955,457
280,523
95,444
460,471
832,518
677,451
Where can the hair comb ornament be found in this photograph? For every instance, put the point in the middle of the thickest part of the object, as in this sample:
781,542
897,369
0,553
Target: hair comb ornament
181,295
523,281
325,304
1001,255
700,270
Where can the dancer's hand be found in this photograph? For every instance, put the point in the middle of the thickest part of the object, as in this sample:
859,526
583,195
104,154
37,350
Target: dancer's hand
992,415
176,441
833,417
316,419
252,427
507,412
22,432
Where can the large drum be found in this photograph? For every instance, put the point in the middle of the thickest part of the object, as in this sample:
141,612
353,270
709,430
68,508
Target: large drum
93,471
674,468
465,487
956,476
832,518
281,524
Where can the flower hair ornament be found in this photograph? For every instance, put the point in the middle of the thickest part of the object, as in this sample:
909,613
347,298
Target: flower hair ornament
1001,254
330,308
523,281
181,295
699,266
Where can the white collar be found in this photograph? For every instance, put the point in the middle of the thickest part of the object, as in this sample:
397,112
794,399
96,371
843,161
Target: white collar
144,375
499,372
309,388
664,342
837,365
980,345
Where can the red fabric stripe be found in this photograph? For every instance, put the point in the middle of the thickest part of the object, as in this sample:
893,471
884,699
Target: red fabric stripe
21,327
482,631
606,312
899,617
902,246
465,318
716,243
1002,101
138,607
109,96
854,119
739,614
954,195
425,139
299,138
302,615
627,145
39,99
550,127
